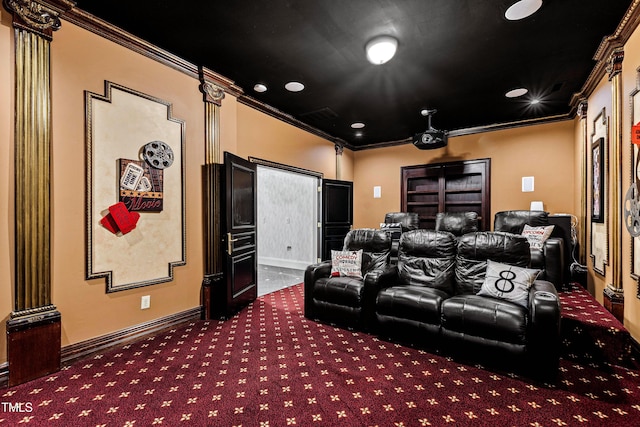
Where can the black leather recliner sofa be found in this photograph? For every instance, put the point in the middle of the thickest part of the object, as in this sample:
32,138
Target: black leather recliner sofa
431,299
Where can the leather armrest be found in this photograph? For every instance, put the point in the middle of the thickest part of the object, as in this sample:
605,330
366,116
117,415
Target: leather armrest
387,277
554,261
544,305
311,274
544,326
373,282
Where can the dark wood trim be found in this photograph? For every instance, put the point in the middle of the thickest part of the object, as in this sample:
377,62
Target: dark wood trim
614,303
287,118
282,166
33,346
110,32
104,29
619,38
87,348
83,349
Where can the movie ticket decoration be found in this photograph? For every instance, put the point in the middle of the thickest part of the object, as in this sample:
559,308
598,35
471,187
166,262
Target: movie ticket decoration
141,186
635,134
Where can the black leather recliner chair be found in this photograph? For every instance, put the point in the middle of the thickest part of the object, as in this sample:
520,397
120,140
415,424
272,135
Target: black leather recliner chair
457,223
407,221
549,259
493,329
348,301
408,307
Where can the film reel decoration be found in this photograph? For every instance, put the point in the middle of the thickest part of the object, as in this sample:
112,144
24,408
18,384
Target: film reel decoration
631,205
158,154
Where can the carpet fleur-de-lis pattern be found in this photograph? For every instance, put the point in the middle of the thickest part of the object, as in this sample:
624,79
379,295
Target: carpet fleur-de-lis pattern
269,367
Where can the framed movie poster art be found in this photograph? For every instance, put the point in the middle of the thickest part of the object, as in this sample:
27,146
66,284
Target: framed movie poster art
599,250
135,189
631,202
597,174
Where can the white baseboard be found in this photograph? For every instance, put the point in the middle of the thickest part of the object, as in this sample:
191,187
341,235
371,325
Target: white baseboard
284,263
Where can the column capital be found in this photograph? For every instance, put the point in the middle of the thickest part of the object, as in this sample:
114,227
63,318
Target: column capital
39,16
583,107
339,149
614,62
212,92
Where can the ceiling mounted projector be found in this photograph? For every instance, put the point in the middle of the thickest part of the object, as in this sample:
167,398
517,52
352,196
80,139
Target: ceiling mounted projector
431,138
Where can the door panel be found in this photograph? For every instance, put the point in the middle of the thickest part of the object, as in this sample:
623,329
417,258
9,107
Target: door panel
240,213
337,214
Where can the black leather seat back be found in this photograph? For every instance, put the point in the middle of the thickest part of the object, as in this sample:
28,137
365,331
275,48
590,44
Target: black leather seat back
457,223
375,245
408,220
514,221
474,249
427,258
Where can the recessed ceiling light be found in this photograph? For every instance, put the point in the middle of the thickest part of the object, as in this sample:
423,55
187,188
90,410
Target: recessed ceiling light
294,86
260,88
535,101
514,93
357,125
358,134
381,49
522,9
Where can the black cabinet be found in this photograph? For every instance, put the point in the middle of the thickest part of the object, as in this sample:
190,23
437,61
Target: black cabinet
447,187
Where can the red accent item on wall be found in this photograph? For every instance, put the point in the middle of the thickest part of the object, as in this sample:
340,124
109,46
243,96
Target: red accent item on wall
635,134
119,219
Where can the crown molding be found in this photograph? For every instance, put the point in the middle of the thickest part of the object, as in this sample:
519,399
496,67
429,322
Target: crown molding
606,50
119,36
287,118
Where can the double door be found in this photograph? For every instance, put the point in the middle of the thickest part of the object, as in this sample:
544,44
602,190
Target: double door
232,232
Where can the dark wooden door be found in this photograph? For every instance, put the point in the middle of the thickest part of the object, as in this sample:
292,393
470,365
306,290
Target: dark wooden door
337,214
240,213
463,186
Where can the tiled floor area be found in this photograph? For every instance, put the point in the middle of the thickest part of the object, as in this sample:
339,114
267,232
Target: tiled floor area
271,279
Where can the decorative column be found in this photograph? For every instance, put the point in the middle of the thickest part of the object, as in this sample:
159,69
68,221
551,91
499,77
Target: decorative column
613,293
339,151
33,330
583,106
214,270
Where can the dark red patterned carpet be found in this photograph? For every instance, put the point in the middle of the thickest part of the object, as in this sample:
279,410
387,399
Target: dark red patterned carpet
590,334
269,366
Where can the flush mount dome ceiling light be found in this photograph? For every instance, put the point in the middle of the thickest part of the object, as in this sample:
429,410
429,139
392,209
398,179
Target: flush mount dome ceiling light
294,86
514,93
357,125
522,9
260,88
381,49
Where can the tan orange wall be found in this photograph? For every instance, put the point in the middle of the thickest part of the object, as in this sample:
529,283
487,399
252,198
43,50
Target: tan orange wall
545,152
263,137
83,61
599,99
6,174
630,83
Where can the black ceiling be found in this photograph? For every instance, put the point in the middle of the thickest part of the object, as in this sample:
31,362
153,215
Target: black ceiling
457,56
